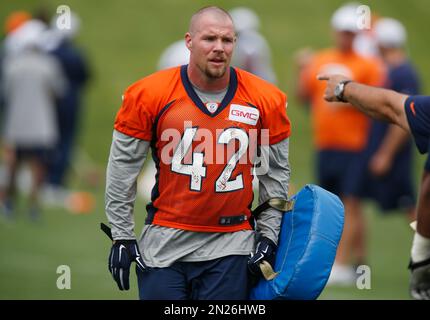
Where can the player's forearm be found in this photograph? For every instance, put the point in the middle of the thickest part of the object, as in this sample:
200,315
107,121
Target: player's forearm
274,184
378,103
126,158
269,224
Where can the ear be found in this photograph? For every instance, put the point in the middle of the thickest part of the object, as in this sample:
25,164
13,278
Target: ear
188,41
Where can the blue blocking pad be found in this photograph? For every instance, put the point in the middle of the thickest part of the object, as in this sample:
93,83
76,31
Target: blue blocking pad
308,240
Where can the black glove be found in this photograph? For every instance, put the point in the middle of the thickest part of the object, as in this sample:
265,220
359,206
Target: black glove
265,250
122,254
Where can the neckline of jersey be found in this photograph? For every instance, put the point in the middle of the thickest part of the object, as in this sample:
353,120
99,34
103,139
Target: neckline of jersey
232,87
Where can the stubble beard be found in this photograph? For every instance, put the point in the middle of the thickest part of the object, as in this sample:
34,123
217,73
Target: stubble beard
214,73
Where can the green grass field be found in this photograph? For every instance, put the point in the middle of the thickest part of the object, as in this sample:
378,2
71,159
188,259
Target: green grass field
123,40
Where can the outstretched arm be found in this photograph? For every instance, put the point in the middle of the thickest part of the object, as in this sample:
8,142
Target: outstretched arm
378,103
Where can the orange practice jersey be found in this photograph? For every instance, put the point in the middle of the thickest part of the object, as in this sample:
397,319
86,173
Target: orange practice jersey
204,167
339,126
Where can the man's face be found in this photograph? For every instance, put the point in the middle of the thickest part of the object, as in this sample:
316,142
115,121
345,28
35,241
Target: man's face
383,51
344,40
211,45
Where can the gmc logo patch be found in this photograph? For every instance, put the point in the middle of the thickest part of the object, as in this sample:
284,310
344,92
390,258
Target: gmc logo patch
244,114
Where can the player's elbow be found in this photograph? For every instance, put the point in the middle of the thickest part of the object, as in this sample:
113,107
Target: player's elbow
384,107
394,109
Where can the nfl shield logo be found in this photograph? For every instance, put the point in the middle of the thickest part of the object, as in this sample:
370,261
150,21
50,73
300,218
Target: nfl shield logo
212,106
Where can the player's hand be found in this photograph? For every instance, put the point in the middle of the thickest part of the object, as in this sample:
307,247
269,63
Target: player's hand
264,251
380,164
122,254
419,285
332,82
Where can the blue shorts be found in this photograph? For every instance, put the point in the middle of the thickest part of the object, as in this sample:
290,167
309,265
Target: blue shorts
338,172
224,278
417,110
392,191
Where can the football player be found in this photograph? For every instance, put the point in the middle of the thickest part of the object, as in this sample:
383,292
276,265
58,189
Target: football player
199,121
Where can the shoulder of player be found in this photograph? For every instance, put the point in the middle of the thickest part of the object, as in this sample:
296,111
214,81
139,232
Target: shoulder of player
257,88
151,90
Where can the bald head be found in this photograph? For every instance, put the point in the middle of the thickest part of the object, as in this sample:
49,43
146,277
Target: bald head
210,39
211,12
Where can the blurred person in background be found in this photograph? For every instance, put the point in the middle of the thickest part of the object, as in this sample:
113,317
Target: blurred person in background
12,22
340,133
177,54
8,46
59,43
365,42
252,51
32,81
387,158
